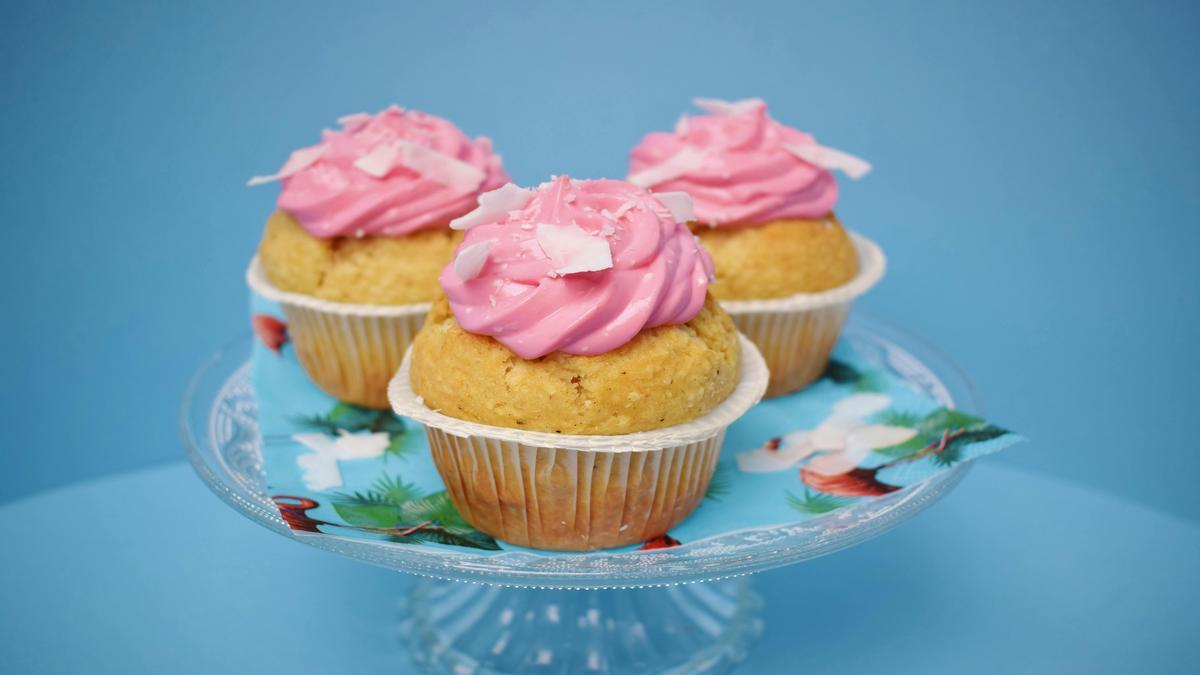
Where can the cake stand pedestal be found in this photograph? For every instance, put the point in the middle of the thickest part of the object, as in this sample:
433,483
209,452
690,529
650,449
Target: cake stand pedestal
453,627
688,609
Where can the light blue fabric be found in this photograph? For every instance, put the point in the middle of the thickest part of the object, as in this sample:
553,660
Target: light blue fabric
148,572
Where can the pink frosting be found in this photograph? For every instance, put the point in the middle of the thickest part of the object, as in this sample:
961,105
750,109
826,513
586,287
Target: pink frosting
638,267
388,174
737,166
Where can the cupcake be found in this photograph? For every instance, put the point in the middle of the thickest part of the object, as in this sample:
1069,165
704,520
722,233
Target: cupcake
359,236
576,380
763,198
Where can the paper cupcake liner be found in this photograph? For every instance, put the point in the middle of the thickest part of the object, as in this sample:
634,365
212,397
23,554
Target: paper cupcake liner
796,334
350,351
572,492
572,500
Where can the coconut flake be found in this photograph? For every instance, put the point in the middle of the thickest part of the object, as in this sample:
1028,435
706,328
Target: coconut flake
829,158
573,250
297,161
718,107
470,260
494,206
679,204
427,162
443,168
354,119
686,160
379,162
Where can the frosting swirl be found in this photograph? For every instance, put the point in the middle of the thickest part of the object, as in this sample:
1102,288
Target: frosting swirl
387,174
741,166
575,266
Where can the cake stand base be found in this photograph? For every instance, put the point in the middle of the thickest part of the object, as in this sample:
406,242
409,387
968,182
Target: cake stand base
469,629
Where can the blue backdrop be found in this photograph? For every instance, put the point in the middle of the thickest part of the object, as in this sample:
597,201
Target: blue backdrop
1035,186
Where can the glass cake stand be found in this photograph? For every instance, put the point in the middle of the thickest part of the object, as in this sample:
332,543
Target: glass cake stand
680,610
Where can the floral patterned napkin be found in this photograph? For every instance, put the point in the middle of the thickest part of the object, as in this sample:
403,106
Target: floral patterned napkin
876,422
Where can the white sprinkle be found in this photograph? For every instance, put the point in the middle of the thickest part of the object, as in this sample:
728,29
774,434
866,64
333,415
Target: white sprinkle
360,233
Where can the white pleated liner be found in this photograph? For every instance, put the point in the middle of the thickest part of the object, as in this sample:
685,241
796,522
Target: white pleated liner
796,334
572,500
572,492
350,351
795,345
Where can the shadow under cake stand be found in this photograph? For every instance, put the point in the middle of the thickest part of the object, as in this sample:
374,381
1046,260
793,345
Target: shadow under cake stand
685,609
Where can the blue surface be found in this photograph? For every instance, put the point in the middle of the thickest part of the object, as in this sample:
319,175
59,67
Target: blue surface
1034,185
1063,580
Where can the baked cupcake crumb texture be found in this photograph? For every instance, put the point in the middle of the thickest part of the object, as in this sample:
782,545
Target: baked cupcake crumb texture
779,258
663,376
371,270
